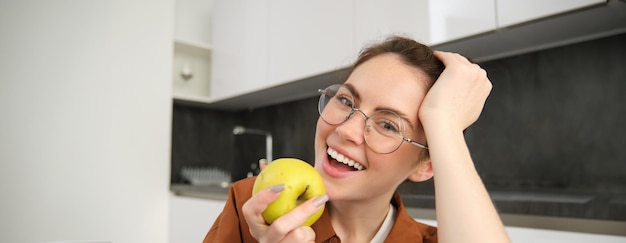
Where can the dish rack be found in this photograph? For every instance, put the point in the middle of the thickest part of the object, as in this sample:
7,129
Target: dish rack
206,176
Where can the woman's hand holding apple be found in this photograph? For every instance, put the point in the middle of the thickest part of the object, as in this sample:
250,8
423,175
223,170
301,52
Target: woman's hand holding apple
293,225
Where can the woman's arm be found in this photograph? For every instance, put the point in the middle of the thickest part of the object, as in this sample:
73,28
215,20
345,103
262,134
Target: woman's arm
465,212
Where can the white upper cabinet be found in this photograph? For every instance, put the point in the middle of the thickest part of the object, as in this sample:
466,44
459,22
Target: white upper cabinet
308,38
376,19
240,53
261,47
455,19
511,12
191,73
192,22
428,21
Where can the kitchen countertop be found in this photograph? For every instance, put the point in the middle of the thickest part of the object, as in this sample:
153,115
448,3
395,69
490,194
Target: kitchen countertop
601,214
206,192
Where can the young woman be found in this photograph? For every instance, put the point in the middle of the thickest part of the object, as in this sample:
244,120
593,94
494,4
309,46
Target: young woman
399,115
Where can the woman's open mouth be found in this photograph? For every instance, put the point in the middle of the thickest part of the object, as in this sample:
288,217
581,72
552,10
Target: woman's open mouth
341,162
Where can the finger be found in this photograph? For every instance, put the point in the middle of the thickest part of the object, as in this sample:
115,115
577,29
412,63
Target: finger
447,58
262,163
301,234
297,216
253,208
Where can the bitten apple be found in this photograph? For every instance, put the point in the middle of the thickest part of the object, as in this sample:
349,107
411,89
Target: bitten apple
301,180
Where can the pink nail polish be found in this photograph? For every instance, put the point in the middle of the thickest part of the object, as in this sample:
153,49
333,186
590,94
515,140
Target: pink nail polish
277,188
320,200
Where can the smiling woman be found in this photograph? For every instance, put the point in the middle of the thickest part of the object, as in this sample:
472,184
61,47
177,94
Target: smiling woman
408,97
546,145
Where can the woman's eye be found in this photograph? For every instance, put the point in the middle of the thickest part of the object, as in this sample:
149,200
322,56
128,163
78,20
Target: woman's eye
388,126
346,101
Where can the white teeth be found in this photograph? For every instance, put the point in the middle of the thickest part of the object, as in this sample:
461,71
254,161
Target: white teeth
341,158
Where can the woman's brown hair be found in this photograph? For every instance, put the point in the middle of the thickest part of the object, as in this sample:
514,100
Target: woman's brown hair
410,51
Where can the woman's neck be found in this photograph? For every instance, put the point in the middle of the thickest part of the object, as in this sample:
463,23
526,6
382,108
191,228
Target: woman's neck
358,221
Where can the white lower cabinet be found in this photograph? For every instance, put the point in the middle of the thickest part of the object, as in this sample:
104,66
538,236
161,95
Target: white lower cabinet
191,218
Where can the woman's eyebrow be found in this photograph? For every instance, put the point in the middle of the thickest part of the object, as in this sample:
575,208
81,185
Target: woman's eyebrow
355,94
400,114
403,116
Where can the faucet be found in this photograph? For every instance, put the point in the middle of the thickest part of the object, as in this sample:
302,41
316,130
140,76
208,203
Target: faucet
239,130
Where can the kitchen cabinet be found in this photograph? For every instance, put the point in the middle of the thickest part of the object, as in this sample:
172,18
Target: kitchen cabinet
240,53
260,44
191,218
192,20
427,21
192,50
263,44
535,33
511,12
191,71
308,38
262,48
455,19
439,21
374,20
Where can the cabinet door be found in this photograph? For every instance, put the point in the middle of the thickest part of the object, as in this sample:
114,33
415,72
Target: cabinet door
191,218
376,19
193,21
455,19
192,50
307,38
239,55
512,12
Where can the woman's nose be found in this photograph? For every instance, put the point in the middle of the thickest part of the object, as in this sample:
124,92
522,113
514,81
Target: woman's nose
352,129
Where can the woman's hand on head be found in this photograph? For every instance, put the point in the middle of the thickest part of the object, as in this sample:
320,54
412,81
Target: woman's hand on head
458,96
287,228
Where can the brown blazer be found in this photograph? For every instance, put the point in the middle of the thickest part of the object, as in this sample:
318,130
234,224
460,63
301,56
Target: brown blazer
230,225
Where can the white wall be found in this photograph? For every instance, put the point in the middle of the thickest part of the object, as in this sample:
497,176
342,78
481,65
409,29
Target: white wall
85,107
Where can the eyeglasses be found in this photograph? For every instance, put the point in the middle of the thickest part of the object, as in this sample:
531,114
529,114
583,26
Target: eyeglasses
384,129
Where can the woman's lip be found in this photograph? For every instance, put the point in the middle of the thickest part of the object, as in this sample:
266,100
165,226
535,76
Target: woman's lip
332,172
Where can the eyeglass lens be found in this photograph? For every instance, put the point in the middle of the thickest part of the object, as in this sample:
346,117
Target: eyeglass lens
384,130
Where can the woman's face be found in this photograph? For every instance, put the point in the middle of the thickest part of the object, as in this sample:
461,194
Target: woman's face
382,83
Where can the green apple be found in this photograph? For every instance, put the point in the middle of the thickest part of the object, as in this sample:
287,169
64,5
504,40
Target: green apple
301,180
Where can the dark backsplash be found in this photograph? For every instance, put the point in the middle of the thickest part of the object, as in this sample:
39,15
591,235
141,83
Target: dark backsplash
553,123
204,137
556,119
201,137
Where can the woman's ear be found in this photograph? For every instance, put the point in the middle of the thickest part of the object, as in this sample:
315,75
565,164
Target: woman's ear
423,172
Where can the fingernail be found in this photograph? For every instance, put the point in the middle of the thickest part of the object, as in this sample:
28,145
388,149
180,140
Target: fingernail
320,200
277,188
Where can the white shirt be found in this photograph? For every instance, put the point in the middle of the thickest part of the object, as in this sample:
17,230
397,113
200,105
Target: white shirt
384,230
